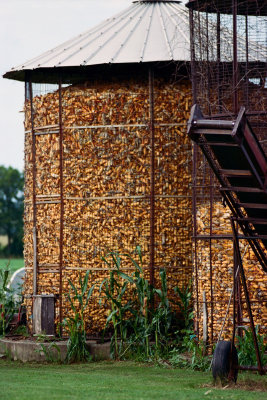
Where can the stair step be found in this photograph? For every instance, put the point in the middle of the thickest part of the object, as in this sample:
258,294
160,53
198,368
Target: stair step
235,172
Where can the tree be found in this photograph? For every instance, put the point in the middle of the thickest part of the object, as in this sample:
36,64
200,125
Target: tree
11,209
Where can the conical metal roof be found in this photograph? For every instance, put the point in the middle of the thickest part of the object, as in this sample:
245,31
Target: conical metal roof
147,31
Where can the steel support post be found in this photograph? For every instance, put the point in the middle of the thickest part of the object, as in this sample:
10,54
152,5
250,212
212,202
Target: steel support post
61,234
210,256
193,56
219,62
235,60
243,278
152,176
34,232
194,204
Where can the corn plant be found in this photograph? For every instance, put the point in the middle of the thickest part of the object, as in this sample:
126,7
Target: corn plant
114,289
139,313
156,321
162,315
78,298
185,305
143,292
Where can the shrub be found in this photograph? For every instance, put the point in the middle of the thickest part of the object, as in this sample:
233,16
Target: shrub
246,348
8,306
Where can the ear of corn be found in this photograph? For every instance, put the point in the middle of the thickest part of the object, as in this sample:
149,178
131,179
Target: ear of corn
221,263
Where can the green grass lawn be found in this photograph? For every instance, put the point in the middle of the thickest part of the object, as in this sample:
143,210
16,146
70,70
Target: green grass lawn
118,381
14,263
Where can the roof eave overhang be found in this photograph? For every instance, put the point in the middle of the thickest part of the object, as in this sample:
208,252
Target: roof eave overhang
75,74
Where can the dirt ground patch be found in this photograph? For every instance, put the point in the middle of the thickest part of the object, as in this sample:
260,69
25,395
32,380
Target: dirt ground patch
242,384
249,384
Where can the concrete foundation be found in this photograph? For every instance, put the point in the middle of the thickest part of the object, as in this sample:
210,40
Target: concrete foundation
30,350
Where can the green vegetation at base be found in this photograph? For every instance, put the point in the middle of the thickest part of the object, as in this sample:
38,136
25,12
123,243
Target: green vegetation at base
116,381
246,347
143,320
78,298
9,305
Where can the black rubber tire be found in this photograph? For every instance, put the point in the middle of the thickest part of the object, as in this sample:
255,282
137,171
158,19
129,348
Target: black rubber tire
221,362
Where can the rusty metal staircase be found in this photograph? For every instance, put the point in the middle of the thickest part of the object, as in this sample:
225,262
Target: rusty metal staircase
240,165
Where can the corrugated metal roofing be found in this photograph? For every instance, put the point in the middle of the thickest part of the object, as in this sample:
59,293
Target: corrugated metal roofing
147,31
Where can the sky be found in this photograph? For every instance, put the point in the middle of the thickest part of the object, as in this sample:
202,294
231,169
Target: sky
27,29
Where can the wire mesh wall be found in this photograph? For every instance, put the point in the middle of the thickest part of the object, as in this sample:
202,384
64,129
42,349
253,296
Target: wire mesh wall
108,167
229,55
